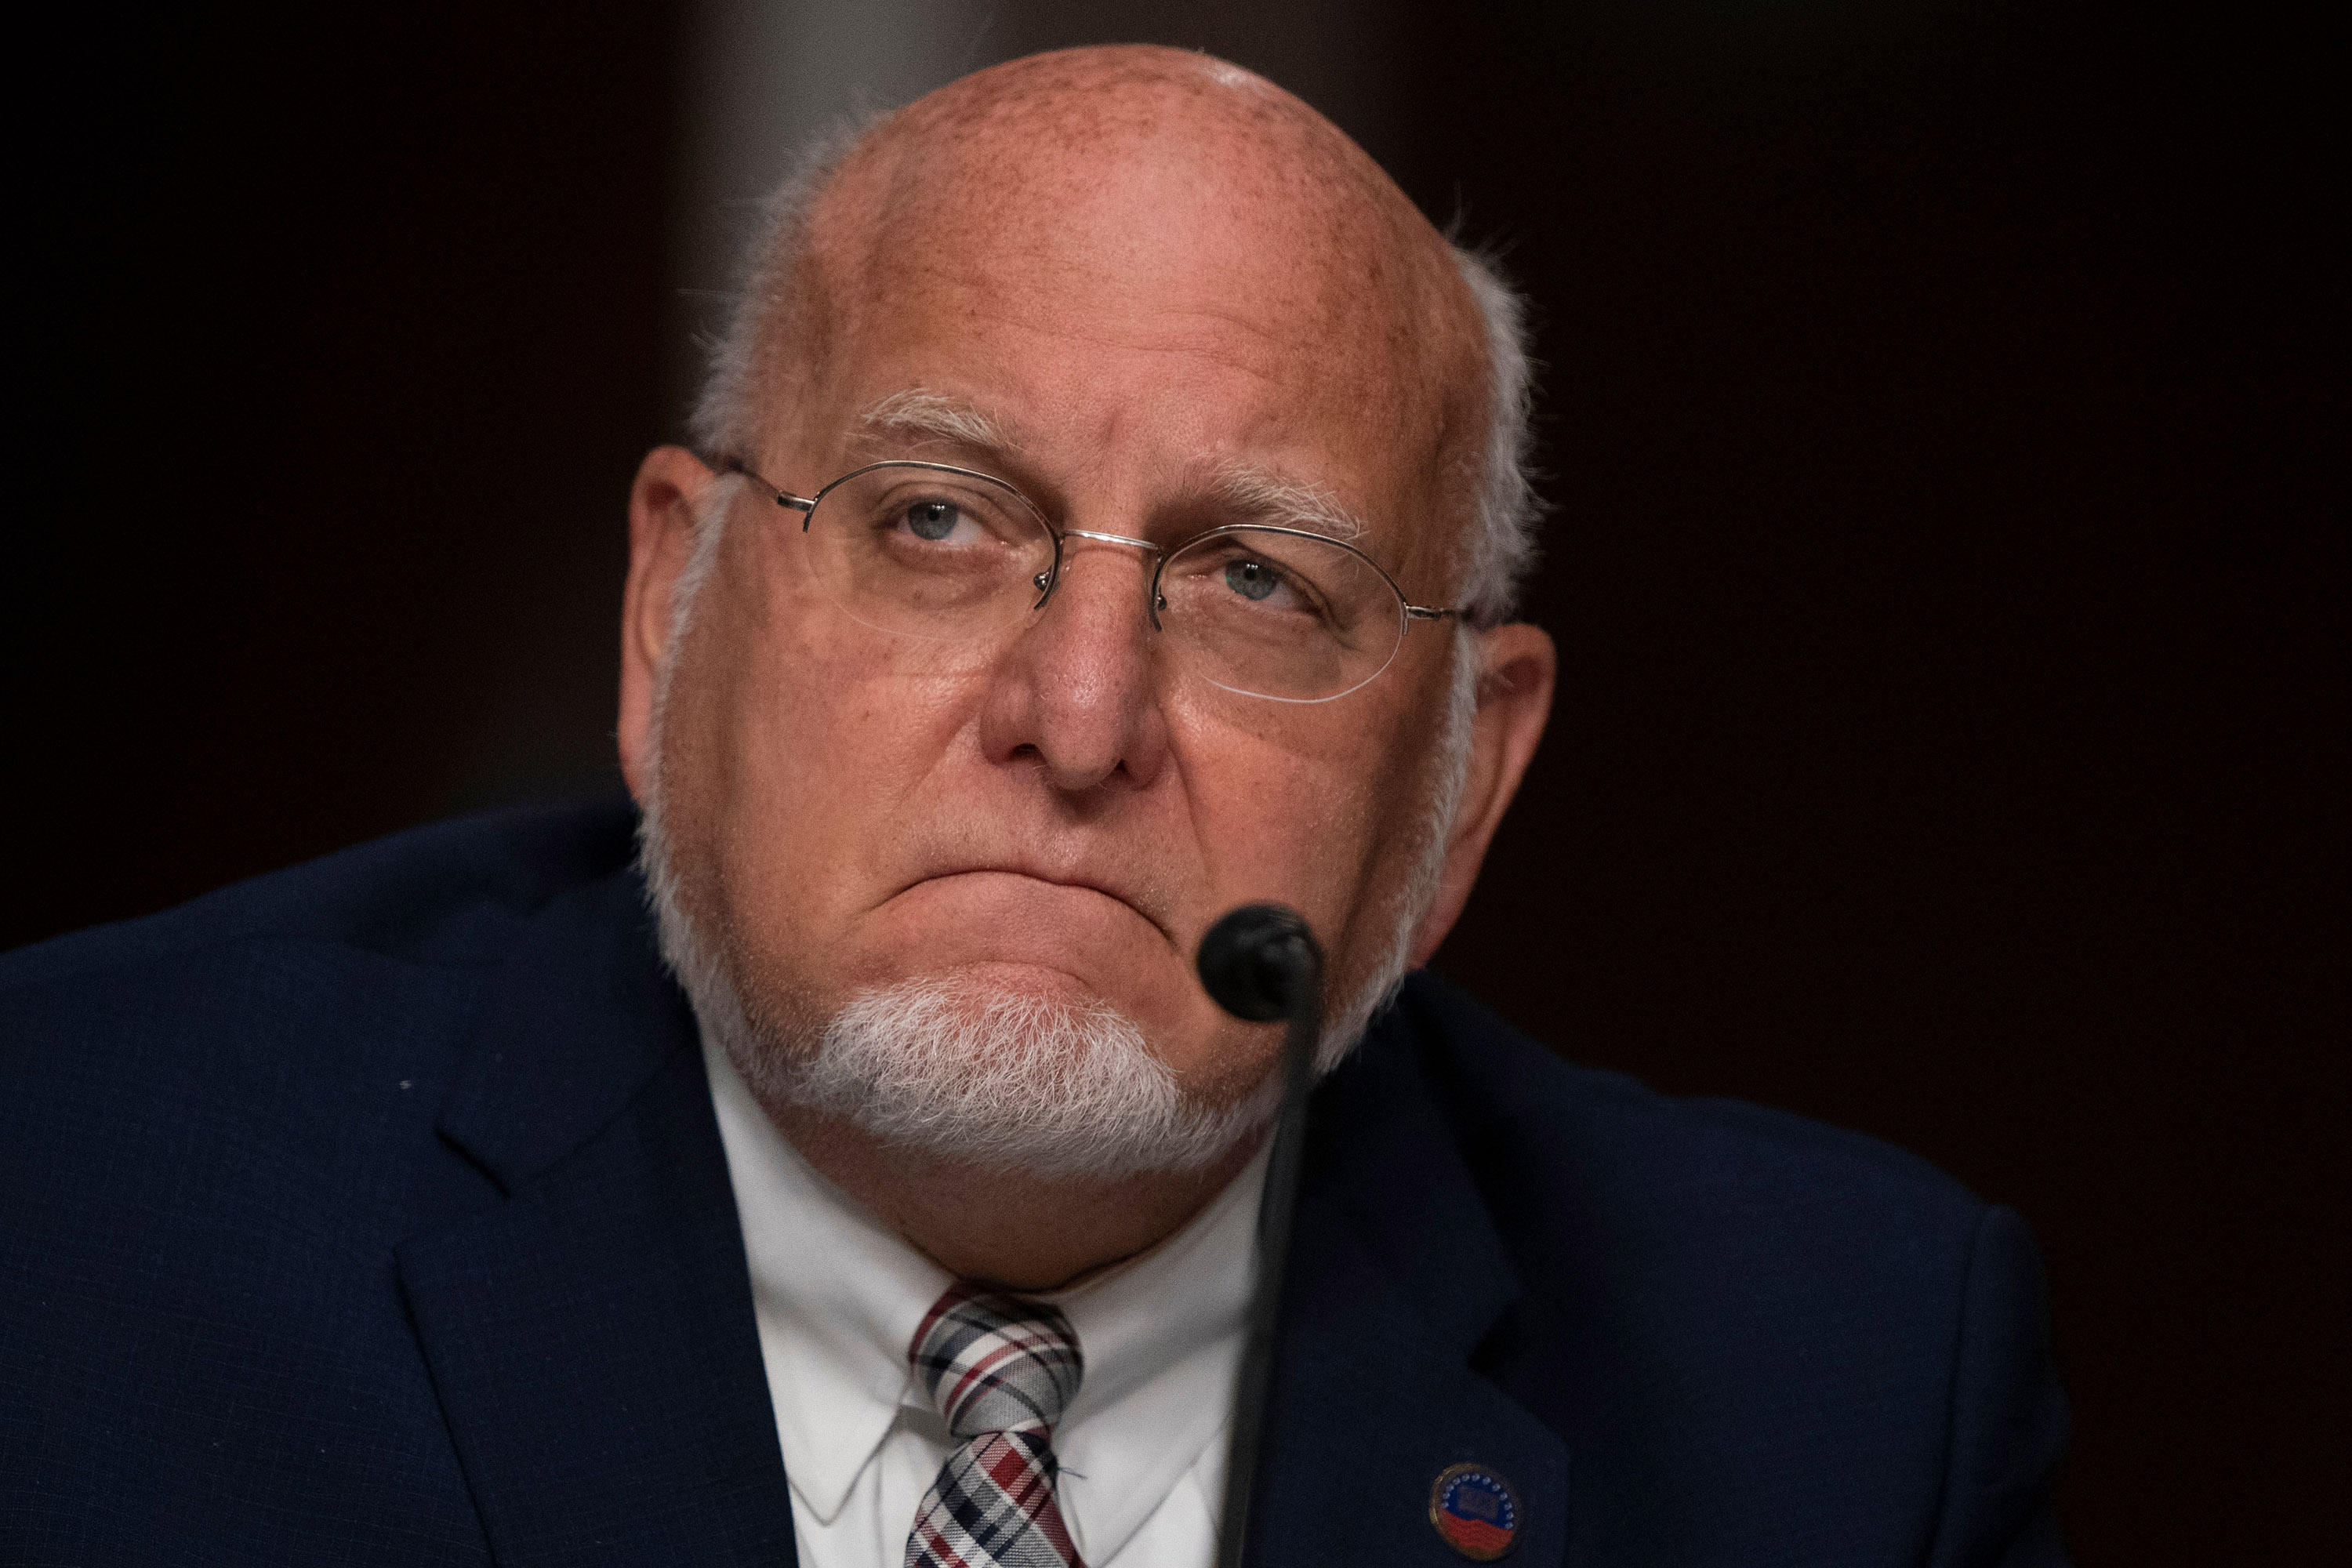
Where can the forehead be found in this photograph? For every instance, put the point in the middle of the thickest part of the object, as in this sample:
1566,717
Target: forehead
1155,288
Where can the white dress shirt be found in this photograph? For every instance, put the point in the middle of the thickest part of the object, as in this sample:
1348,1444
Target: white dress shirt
1142,1447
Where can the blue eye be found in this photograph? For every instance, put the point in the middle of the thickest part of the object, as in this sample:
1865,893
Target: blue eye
932,519
1250,579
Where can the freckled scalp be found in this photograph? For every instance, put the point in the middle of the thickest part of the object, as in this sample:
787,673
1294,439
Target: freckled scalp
1025,152
1023,140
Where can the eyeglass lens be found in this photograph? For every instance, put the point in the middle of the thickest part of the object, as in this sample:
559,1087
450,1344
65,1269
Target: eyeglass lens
945,554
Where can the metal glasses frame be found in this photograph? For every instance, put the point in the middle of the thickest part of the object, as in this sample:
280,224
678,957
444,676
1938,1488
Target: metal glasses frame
1051,578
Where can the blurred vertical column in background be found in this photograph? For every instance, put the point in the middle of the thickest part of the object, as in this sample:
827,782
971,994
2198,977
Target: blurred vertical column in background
758,84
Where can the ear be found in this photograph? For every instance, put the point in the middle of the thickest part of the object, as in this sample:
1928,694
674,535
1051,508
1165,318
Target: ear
663,505
1516,667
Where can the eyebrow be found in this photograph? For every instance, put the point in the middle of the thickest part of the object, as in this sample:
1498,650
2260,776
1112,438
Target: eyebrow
1254,494
920,414
1268,498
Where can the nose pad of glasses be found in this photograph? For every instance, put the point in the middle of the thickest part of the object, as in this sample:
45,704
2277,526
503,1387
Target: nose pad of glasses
1154,601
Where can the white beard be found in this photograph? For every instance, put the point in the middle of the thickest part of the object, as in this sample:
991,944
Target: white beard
1007,1079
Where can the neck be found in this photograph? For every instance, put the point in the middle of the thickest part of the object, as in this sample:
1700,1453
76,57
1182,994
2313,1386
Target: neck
1005,1228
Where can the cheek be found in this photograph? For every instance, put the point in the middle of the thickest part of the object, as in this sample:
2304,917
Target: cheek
800,747
1305,813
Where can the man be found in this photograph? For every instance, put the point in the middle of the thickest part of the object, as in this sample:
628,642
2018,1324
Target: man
1107,512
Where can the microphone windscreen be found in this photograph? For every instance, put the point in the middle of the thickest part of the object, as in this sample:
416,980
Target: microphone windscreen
1252,960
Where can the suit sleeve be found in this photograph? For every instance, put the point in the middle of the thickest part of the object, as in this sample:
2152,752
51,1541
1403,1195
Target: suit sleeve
2008,1416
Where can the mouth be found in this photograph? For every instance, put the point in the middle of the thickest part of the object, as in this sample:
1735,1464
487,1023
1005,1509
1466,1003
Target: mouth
1123,899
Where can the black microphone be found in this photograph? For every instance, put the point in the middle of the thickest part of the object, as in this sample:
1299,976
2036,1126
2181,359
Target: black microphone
1261,963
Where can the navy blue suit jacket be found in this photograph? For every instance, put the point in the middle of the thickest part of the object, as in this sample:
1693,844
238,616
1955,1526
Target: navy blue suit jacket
374,1212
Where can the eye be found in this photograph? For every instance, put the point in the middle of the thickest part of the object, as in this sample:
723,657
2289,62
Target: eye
1260,582
1252,580
933,519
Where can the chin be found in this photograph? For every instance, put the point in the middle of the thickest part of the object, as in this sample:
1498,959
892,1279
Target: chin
1097,964
1008,1062
1011,1066
982,981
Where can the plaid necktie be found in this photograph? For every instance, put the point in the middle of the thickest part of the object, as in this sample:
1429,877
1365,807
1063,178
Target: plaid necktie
1000,1369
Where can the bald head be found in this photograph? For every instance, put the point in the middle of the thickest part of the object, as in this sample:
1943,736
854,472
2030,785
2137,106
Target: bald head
1098,187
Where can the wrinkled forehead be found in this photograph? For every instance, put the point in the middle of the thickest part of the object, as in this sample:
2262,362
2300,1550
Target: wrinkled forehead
1201,210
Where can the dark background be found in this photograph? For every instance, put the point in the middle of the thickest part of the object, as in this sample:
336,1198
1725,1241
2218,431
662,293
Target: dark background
1941,564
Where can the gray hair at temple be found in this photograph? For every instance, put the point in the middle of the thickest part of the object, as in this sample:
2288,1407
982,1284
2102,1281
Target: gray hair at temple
1502,543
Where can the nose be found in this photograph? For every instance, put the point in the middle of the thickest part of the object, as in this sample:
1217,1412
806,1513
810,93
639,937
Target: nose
1079,689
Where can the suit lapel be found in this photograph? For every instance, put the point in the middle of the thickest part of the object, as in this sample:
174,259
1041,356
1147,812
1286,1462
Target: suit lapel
593,1342
1397,1278
591,1338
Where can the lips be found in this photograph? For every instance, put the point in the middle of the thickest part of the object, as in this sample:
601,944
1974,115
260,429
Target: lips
1119,889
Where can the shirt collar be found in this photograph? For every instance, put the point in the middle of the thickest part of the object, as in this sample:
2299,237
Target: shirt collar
839,1298
1162,1334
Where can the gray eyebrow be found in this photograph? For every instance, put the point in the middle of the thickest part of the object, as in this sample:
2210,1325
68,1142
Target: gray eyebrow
1255,494
1269,497
918,412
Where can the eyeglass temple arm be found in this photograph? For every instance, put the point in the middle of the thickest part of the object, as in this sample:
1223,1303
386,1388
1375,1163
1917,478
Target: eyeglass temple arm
1424,613
782,497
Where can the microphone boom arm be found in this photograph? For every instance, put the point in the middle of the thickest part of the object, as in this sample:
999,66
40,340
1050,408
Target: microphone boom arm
1262,963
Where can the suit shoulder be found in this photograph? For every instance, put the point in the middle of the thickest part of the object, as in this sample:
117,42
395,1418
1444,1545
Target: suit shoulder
449,894
1709,1297
282,1047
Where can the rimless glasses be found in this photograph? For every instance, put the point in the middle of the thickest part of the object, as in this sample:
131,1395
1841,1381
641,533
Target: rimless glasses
932,550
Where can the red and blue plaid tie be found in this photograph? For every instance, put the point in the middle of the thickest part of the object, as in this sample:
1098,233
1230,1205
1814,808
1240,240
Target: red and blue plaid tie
1000,1369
